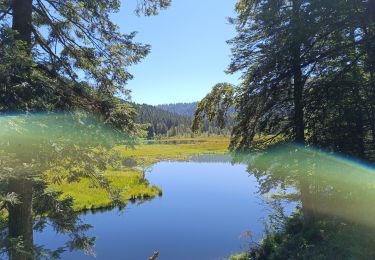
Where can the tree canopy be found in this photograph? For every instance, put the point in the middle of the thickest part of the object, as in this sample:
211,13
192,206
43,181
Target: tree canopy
66,58
53,51
307,73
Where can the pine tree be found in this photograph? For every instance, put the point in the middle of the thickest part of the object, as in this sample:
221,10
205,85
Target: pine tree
47,46
59,55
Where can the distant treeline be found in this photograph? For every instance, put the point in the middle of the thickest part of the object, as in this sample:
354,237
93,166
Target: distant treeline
184,109
173,120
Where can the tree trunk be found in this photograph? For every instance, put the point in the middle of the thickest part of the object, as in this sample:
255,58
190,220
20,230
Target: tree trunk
22,69
371,111
22,20
307,206
359,133
20,222
298,84
299,124
371,57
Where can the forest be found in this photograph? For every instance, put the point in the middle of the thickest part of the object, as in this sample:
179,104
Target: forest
308,75
174,120
185,109
81,162
308,72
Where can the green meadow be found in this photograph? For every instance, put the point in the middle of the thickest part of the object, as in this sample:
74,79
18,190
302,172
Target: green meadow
130,179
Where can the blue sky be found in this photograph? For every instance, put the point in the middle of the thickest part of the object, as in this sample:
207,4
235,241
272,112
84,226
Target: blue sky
189,52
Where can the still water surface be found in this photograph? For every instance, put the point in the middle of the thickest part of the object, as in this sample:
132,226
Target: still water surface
205,210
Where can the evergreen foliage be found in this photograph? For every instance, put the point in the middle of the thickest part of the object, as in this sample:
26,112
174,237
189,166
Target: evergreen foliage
174,120
184,109
307,73
60,56
160,122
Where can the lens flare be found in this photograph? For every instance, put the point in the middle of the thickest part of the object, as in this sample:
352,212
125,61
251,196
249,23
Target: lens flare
328,184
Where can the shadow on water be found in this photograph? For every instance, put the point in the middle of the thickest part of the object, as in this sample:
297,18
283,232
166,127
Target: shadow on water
119,208
327,184
206,199
336,195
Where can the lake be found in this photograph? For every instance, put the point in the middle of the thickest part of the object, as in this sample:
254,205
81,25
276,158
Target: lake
206,212
211,209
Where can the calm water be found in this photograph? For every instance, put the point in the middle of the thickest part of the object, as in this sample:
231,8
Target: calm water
204,212
207,205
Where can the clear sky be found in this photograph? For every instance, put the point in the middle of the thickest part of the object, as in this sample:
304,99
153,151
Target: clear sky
188,50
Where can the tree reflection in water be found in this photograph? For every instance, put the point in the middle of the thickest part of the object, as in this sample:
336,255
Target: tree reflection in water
37,150
335,195
336,198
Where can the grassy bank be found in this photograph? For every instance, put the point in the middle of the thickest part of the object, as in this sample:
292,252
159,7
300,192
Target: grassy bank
324,238
173,149
130,179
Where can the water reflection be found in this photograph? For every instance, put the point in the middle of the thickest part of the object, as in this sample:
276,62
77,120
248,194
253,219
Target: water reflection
27,212
336,195
212,158
327,185
36,150
210,200
203,214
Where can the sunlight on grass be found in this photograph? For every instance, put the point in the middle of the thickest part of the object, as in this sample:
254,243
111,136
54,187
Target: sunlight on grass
148,154
131,181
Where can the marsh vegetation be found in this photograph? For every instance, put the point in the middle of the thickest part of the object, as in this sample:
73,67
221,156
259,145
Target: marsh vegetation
283,158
